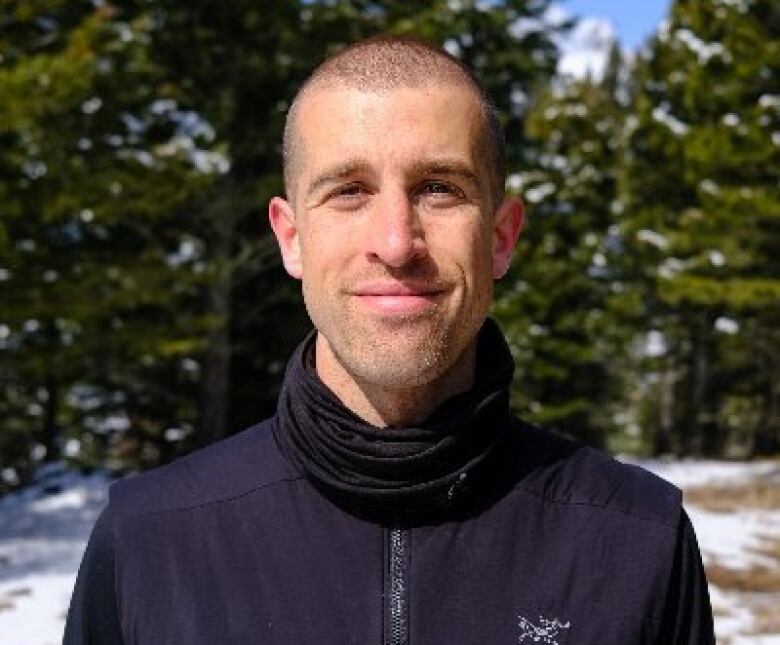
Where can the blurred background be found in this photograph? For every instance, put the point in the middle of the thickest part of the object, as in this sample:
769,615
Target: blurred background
144,311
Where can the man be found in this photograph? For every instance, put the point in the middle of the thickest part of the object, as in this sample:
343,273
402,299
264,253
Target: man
393,498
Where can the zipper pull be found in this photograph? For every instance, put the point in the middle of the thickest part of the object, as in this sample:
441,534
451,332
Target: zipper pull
457,487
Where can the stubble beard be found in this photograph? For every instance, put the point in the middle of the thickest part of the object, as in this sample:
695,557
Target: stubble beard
398,353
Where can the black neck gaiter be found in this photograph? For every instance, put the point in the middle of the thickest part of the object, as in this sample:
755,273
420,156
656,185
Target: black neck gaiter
430,467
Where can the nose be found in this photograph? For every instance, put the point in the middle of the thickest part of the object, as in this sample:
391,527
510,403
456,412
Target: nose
396,235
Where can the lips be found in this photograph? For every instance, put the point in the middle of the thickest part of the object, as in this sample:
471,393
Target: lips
397,298
395,289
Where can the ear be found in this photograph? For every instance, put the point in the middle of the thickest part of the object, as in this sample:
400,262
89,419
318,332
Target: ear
508,223
282,219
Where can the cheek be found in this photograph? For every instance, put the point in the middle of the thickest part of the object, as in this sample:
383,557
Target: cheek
480,270
316,249
325,263
477,254
312,274
467,254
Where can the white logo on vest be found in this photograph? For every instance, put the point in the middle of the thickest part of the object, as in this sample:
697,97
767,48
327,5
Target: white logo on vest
545,632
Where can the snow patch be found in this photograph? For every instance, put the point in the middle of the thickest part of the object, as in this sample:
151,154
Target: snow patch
670,268
726,325
717,259
651,237
743,6
514,182
655,343
540,192
708,186
43,533
662,115
732,540
769,100
687,473
704,51
92,105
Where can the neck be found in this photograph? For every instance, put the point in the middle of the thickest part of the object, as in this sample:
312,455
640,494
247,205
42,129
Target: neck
384,406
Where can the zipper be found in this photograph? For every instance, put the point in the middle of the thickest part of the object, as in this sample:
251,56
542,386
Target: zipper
396,591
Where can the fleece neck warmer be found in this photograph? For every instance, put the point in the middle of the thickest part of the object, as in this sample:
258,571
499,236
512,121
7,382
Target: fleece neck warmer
435,466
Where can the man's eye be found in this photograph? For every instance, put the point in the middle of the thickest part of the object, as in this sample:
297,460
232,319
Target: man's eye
441,193
349,191
437,187
347,197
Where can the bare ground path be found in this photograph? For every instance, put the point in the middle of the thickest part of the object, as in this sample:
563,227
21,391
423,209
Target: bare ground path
735,510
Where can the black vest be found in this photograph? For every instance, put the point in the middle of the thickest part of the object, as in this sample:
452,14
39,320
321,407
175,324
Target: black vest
233,545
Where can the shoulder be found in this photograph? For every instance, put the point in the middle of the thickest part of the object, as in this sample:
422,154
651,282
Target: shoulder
565,472
228,469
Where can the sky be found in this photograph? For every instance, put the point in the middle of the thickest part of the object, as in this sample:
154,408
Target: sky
600,21
632,21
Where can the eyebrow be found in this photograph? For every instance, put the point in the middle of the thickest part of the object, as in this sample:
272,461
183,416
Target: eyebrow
336,173
450,167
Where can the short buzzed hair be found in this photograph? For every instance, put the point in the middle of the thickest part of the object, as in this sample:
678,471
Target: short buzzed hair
387,62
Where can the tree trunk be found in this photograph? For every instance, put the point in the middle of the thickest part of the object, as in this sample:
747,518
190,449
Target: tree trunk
51,429
662,439
216,364
703,436
766,437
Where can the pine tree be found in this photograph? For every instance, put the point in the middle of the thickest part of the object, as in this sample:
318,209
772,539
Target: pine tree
555,304
88,290
701,185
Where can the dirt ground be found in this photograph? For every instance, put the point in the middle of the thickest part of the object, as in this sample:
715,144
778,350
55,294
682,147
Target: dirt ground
737,520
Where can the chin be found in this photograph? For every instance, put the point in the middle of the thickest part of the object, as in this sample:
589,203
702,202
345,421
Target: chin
397,371
397,351
403,359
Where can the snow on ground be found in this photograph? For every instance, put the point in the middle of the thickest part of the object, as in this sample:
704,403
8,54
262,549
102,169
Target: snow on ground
735,541
43,532
686,473
44,528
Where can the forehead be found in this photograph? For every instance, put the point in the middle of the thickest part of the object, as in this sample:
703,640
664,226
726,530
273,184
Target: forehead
389,127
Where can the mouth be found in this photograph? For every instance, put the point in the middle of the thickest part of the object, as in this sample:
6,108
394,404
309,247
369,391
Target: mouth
396,298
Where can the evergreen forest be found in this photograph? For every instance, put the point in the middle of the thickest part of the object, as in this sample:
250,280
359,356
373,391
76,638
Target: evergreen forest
144,311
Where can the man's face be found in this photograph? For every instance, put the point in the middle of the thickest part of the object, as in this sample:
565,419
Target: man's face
391,228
